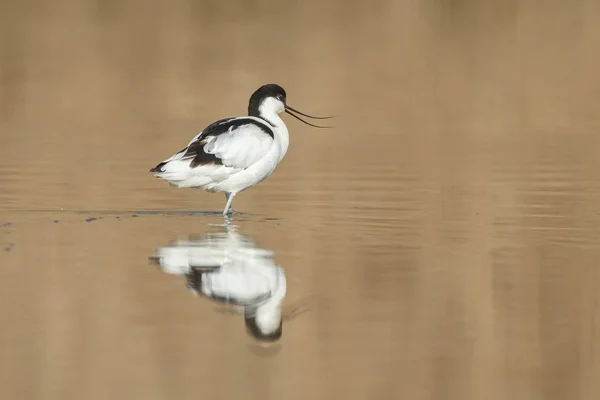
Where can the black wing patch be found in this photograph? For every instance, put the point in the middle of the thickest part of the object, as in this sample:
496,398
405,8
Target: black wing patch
196,149
194,282
194,277
158,168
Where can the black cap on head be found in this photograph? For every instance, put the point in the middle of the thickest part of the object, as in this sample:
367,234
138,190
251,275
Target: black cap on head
253,329
269,90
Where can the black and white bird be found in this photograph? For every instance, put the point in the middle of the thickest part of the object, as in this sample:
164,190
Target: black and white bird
233,154
229,269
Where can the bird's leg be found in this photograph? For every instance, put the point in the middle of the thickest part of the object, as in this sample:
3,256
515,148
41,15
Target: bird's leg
229,197
227,224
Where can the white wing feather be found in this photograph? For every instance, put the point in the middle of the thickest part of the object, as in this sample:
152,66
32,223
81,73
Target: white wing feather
238,148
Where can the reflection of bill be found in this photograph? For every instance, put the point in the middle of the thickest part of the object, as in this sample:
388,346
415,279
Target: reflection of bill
229,269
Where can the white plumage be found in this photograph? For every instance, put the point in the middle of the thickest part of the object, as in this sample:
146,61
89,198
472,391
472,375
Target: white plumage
234,154
229,269
228,154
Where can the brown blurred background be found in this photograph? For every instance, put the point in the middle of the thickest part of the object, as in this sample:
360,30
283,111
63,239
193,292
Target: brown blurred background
447,229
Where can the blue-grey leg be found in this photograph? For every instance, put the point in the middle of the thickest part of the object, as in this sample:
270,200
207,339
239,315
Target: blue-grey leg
229,197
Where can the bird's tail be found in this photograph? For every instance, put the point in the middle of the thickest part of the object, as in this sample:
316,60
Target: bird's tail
173,170
158,168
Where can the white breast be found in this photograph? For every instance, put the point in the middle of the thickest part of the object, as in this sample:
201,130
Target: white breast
242,281
262,168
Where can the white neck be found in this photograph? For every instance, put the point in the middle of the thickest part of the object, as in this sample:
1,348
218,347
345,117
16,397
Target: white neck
268,314
282,137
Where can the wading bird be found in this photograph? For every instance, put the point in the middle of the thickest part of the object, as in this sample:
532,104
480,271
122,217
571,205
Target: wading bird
234,154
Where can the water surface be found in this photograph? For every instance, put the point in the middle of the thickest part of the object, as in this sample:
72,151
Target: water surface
444,236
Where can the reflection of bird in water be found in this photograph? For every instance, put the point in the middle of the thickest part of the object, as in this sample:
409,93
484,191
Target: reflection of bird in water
229,269
260,289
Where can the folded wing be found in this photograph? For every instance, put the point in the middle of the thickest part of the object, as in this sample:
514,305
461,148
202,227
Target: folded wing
224,147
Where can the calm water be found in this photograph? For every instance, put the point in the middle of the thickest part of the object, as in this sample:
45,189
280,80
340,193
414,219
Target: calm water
443,239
